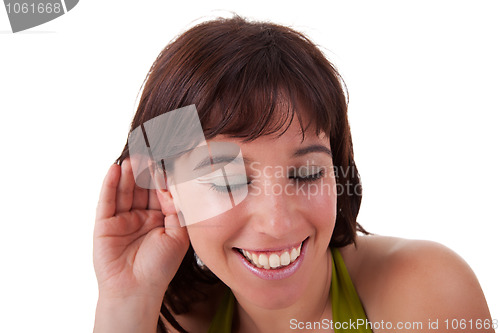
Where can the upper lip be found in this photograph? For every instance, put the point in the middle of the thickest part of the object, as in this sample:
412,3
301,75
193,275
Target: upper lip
271,249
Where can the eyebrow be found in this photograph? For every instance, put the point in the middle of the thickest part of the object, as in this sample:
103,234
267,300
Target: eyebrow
220,159
213,160
312,149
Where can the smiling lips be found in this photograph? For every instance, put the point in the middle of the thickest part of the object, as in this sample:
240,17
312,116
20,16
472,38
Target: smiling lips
272,259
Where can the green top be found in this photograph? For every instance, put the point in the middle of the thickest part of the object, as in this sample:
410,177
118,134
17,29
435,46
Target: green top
347,309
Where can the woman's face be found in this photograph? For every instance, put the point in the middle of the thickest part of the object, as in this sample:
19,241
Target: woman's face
268,247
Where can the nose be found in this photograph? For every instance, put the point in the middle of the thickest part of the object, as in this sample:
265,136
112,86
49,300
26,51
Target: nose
273,211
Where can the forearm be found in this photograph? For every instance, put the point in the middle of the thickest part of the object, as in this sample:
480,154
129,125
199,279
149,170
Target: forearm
133,314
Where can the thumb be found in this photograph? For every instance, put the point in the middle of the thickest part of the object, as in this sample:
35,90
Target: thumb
172,244
176,235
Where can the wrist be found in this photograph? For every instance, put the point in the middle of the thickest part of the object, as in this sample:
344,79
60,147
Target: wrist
127,314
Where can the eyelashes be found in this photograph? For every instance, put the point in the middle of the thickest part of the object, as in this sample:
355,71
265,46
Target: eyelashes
299,178
231,183
228,188
309,177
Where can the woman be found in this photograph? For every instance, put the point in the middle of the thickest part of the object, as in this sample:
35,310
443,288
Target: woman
284,254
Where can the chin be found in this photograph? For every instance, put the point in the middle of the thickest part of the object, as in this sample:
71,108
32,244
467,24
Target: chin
274,299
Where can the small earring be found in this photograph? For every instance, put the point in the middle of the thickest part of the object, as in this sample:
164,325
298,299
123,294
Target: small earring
199,262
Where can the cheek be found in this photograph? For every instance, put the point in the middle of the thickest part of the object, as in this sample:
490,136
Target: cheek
324,210
320,204
199,203
209,239
204,244
205,239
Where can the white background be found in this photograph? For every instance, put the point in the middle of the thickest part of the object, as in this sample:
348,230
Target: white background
423,79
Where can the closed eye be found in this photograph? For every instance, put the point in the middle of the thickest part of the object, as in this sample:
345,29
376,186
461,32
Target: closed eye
308,177
228,188
231,183
306,173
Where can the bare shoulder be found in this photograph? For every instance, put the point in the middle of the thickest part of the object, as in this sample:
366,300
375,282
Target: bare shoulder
401,280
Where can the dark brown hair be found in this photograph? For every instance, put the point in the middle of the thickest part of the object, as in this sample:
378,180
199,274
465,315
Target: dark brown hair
238,73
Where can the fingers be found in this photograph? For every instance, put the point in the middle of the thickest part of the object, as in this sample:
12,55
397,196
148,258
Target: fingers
172,222
145,199
120,193
153,202
125,192
107,200
140,199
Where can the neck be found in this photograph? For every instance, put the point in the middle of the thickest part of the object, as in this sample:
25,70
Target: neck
312,306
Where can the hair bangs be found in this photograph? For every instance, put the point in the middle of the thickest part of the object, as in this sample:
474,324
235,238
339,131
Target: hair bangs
261,92
259,112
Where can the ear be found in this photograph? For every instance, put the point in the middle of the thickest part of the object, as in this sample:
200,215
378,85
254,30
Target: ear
166,193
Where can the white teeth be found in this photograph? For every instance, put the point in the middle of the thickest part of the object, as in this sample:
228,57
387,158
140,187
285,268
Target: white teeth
273,260
264,261
285,258
255,260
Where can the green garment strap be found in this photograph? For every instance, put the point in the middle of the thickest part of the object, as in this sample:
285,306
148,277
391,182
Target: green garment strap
347,309
223,318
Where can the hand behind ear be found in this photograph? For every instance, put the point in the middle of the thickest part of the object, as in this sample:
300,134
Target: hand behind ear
138,241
